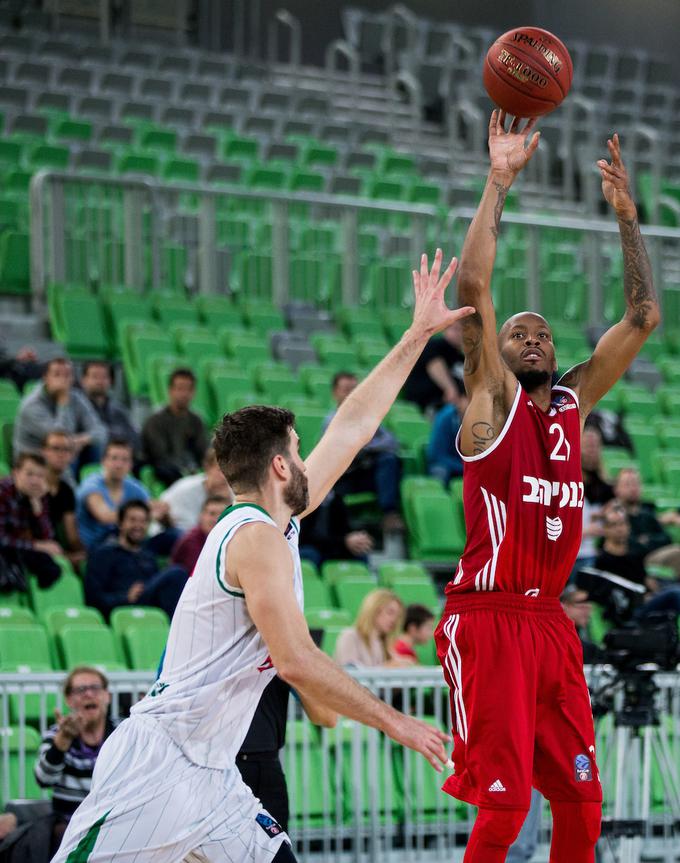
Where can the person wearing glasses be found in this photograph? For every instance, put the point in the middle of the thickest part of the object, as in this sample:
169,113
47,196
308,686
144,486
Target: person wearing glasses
69,749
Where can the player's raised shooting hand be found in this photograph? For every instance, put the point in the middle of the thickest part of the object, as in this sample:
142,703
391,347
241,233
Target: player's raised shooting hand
615,184
430,312
421,737
509,151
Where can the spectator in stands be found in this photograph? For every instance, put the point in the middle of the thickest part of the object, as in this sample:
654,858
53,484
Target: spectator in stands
376,468
597,489
370,642
124,572
96,382
579,609
618,556
432,380
70,748
187,496
174,439
188,547
100,497
56,404
418,629
443,458
326,534
61,501
27,541
648,537
20,368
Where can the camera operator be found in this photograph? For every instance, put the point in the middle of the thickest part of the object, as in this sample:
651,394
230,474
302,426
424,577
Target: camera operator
616,557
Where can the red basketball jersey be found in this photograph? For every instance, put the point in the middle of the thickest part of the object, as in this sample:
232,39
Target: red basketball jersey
523,500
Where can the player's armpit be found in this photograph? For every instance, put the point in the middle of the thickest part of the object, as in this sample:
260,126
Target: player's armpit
486,416
614,352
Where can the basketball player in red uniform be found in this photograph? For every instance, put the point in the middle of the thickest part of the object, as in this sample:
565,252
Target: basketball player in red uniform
510,655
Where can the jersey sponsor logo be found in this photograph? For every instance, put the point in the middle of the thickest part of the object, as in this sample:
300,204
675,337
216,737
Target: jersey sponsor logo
553,527
267,823
497,786
544,492
582,769
533,592
158,688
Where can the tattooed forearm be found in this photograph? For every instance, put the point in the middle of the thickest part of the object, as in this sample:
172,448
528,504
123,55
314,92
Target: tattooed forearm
638,286
498,207
482,435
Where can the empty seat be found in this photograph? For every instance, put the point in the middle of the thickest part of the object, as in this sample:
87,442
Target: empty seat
75,78
89,645
116,84
156,88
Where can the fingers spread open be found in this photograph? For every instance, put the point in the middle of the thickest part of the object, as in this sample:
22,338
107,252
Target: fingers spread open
448,273
423,267
493,122
436,266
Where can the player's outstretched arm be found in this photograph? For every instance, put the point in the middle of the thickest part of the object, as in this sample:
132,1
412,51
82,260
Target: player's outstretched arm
361,413
617,348
259,561
489,383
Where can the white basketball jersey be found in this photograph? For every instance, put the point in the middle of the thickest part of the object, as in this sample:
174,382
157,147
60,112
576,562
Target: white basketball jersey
216,663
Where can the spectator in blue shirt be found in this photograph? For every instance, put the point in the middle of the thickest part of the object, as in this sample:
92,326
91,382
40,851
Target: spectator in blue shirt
123,572
100,497
443,459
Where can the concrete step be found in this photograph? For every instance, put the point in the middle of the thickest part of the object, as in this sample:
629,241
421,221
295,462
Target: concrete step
23,327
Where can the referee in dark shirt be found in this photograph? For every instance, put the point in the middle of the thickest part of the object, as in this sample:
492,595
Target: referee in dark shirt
70,748
258,759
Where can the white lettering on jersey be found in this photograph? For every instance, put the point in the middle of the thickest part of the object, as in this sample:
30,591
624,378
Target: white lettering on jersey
556,455
533,592
543,491
553,527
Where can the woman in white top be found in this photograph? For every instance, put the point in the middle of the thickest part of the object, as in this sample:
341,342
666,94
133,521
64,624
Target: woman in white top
369,642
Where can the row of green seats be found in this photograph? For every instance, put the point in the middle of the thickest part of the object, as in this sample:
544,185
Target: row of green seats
434,518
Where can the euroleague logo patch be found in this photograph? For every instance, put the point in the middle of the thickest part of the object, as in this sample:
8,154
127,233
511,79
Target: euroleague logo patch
267,823
582,769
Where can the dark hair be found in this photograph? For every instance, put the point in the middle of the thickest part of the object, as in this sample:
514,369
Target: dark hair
417,615
84,669
118,441
55,433
215,498
248,439
23,457
338,376
137,503
56,361
181,373
89,363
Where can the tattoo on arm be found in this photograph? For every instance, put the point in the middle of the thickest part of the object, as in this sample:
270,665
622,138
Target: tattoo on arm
482,435
638,284
498,208
472,343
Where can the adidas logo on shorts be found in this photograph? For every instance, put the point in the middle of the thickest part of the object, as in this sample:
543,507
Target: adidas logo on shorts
497,786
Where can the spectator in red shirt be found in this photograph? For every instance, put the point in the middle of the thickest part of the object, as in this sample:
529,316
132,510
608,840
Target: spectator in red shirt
418,629
188,547
27,541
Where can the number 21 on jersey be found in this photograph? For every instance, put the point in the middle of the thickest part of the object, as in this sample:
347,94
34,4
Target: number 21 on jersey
562,449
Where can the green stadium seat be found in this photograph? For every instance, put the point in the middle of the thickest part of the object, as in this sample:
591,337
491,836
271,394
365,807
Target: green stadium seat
335,353
56,619
138,163
14,614
395,321
424,193
68,129
308,425
389,285
181,171
645,442
409,431
144,644
416,591
251,276
226,385
667,400
66,592
351,591
15,275
434,530
638,401
305,181
397,570
82,644
248,348
139,343
122,309
317,594
216,311
125,617
318,154
158,368
159,141
333,571
240,148
615,459
84,333
24,644
49,156
317,381
262,318
329,639
169,309
366,790
11,154
9,405
19,747
308,768
670,369
419,787
320,618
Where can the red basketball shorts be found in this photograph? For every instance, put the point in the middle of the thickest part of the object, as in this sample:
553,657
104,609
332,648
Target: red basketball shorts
519,701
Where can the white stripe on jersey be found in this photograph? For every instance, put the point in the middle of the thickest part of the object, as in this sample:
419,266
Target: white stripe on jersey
496,516
453,665
216,663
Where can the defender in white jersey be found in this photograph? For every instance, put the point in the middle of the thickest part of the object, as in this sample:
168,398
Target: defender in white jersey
166,787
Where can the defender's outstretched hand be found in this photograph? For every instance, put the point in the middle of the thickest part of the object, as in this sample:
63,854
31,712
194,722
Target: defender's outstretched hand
615,185
430,312
509,150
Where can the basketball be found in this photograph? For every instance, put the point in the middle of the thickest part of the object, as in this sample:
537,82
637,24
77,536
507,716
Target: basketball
527,72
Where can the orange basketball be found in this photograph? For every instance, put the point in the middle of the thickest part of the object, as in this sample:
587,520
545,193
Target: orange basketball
527,72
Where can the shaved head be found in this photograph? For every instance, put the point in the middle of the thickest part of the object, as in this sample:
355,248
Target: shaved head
526,346
518,319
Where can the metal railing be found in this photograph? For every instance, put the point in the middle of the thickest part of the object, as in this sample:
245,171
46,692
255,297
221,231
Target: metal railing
354,794
139,233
